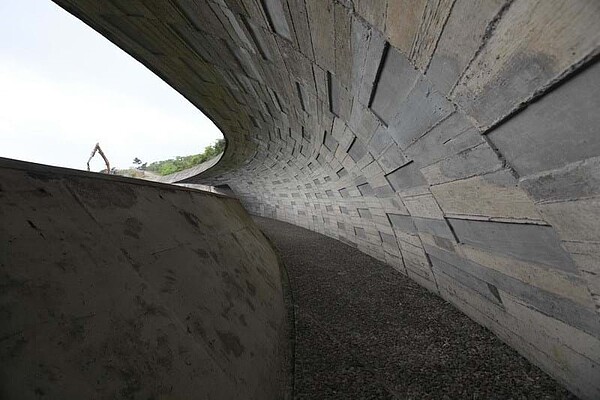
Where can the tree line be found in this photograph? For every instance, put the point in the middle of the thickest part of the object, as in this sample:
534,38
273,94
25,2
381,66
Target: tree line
180,163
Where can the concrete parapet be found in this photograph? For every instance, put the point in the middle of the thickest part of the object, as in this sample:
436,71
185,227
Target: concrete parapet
119,288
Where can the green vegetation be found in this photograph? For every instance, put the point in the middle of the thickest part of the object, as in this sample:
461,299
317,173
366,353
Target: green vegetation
180,163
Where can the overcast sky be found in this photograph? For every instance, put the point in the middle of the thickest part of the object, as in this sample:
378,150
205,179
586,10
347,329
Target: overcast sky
64,87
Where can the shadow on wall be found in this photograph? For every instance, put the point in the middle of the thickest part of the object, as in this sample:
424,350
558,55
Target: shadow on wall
118,288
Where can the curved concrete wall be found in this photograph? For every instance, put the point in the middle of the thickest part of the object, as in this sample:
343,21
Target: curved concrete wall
117,288
455,139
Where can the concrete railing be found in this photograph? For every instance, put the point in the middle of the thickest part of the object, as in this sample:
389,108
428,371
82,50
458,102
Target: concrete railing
120,288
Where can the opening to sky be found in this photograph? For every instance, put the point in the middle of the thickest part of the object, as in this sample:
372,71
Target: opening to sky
64,87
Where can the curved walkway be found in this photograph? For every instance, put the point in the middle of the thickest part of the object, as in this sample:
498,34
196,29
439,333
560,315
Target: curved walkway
364,331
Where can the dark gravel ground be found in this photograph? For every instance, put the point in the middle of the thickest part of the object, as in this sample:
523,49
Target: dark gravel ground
364,331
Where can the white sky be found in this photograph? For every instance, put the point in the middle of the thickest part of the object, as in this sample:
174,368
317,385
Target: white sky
64,87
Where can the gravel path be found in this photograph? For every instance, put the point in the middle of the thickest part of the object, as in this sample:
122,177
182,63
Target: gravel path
364,331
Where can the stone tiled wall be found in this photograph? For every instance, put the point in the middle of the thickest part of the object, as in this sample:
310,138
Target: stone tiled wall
455,139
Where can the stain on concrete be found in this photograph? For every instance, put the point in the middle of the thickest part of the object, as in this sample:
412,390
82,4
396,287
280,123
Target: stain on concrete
96,195
199,328
133,227
169,282
231,343
250,304
76,327
40,176
190,218
231,283
164,352
149,308
443,243
62,264
251,288
136,266
201,253
228,307
40,192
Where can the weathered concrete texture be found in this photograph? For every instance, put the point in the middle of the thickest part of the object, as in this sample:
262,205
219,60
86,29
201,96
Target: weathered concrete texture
466,128
118,288
559,129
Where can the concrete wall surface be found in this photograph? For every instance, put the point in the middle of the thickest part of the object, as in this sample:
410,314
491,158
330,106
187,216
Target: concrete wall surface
457,140
118,288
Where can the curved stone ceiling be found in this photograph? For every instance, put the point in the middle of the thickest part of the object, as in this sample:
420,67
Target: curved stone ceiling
455,139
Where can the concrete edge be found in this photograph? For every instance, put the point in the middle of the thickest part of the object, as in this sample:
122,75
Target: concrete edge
10,163
192,172
288,299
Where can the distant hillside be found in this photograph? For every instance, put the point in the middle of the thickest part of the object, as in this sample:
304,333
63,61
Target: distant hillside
180,163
